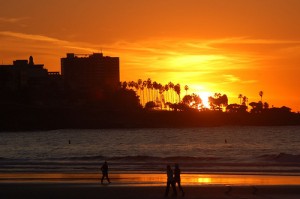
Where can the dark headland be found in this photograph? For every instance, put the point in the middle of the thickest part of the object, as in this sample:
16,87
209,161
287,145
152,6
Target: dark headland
33,118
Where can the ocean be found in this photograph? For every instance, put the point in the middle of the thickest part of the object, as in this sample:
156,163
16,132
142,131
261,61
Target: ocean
230,149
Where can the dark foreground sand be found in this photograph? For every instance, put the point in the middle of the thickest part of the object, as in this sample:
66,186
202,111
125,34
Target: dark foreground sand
15,190
146,186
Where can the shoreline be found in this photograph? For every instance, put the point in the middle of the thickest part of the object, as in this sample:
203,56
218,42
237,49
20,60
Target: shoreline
155,179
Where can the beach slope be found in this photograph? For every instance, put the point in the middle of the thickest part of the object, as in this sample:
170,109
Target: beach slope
95,190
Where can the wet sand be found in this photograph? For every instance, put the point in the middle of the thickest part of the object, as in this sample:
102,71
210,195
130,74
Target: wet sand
144,186
154,179
90,191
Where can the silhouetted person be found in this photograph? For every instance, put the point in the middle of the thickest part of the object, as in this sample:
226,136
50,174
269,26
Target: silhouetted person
177,178
104,170
170,181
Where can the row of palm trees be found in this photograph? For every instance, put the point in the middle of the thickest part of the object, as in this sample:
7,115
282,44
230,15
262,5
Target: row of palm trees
170,93
149,90
244,99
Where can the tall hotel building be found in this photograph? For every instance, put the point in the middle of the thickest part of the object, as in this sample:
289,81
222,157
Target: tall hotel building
93,73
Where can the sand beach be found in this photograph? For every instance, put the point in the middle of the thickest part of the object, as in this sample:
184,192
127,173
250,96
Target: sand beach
79,191
147,186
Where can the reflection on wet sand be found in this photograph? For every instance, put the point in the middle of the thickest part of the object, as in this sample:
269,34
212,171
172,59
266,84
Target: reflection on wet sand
159,179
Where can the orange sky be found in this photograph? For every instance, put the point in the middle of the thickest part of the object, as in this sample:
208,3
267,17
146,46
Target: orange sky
228,46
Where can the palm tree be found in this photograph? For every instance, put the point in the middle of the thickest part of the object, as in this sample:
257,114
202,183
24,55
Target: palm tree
155,91
245,100
140,82
149,86
142,90
261,93
140,85
171,86
177,90
240,97
186,88
161,89
167,93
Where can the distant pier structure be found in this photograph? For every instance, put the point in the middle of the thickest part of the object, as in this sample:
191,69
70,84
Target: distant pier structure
94,74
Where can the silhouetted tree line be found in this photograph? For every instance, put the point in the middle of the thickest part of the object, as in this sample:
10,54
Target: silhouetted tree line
155,95
135,105
167,97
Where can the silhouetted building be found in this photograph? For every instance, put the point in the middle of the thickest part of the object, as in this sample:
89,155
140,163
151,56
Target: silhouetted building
93,74
22,74
25,82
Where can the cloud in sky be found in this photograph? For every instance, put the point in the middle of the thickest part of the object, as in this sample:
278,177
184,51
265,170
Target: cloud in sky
31,37
152,56
12,19
46,50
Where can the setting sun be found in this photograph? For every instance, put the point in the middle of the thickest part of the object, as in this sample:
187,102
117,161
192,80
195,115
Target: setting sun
204,97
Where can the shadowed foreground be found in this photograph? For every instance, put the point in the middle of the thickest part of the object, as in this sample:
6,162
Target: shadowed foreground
78,190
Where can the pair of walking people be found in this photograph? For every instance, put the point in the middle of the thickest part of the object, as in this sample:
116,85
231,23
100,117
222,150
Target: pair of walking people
173,178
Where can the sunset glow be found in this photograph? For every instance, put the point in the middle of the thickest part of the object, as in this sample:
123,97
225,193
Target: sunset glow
157,179
229,47
204,97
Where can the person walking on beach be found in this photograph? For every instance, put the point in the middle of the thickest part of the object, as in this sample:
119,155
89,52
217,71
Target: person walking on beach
104,170
177,178
170,181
